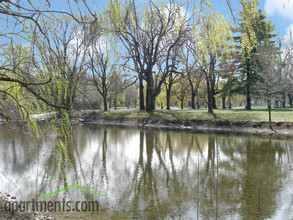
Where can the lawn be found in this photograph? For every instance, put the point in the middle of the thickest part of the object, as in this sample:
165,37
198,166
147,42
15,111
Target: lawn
240,114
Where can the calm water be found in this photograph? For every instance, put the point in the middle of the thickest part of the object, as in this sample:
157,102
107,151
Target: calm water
151,174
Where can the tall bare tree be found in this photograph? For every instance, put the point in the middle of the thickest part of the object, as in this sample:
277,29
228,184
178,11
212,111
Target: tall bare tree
287,59
103,66
193,73
269,73
62,56
146,35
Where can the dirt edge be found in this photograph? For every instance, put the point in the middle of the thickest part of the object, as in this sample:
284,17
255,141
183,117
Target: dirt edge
207,126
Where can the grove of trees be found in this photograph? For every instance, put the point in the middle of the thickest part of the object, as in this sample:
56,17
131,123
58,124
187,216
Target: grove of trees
156,54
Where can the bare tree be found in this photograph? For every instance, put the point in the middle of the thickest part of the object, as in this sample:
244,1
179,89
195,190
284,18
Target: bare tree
102,66
130,96
146,37
62,56
287,59
16,18
269,73
172,72
194,75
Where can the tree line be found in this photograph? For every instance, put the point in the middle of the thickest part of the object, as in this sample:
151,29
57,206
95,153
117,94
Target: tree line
147,56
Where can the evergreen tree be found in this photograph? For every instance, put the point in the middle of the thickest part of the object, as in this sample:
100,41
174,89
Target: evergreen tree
255,30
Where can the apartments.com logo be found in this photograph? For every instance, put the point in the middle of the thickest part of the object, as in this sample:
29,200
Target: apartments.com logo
55,206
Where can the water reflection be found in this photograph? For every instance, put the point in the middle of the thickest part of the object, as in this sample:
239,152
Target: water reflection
154,174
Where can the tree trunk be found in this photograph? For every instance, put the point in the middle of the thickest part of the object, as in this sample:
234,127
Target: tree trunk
214,102
182,103
141,96
283,104
110,102
115,102
192,99
197,104
229,101
248,97
213,96
224,102
210,97
153,102
69,97
149,93
284,100
105,103
168,96
290,99
212,84
270,117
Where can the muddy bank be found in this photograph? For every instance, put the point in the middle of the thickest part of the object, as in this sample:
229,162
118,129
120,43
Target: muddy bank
207,126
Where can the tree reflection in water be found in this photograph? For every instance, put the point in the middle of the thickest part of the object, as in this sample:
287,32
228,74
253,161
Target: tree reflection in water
153,174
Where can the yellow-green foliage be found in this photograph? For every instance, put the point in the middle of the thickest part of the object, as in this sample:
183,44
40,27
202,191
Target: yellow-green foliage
27,104
249,15
117,13
161,98
158,13
213,33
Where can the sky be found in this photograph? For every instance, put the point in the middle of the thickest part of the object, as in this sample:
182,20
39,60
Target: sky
279,11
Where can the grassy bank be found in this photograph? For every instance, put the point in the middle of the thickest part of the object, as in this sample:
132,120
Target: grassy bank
255,115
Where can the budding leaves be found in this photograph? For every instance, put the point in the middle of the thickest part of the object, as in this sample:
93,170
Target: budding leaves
213,33
249,15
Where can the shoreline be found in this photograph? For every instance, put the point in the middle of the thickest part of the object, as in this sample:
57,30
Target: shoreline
214,126
200,126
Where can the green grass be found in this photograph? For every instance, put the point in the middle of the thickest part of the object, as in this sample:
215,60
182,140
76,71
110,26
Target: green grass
240,114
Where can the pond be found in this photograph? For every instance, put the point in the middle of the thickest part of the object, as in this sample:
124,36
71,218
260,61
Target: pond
152,174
